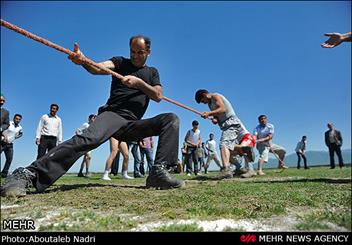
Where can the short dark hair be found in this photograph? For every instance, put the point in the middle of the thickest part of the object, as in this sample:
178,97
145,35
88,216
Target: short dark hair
56,105
261,116
91,116
17,115
195,122
199,94
147,40
211,134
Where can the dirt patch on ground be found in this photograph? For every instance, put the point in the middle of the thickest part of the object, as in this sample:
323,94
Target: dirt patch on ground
55,217
277,223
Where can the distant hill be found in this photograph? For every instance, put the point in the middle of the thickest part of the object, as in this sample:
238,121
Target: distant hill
313,158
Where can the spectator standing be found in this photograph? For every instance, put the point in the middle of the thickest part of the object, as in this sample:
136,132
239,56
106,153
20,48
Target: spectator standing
49,131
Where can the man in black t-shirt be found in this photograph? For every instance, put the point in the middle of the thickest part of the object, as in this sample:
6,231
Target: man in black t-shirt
119,118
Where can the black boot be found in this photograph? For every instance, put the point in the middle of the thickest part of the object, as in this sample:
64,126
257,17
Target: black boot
160,178
17,182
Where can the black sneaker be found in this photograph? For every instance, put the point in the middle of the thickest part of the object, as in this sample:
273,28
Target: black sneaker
17,182
3,175
160,178
249,153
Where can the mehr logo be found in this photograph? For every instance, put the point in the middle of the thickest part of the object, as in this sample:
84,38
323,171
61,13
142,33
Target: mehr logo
18,224
248,238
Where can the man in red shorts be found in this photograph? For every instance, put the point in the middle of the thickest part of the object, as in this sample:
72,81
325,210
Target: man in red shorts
235,138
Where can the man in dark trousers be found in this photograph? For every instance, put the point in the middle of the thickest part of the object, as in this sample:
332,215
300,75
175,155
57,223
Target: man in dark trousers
333,141
119,118
49,131
13,132
5,116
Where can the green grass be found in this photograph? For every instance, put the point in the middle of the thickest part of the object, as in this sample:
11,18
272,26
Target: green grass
317,197
320,220
180,228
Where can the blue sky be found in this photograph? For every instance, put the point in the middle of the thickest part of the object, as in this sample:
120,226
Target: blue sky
265,57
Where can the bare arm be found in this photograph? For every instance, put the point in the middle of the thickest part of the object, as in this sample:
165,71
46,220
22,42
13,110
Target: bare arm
96,71
336,39
220,108
267,138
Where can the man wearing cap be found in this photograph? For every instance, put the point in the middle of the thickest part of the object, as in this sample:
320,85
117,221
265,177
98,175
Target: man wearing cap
235,138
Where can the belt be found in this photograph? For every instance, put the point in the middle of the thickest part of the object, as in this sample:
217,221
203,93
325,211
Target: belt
49,136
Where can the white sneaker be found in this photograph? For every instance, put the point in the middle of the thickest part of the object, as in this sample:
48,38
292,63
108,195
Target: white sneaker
125,176
105,177
189,174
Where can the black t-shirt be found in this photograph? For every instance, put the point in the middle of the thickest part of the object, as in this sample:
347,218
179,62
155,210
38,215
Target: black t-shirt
129,103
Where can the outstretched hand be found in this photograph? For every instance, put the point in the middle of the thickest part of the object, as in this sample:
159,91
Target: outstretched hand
77,55
334,40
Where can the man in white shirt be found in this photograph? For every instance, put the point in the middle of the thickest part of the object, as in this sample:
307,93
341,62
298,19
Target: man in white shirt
193,141
88,156
210,145
49,131
14,131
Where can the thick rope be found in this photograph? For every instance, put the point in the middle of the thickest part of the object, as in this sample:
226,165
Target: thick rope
181,105
84,59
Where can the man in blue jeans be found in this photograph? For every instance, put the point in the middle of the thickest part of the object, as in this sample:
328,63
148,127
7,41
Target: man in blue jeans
146,146
119,118
134,146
